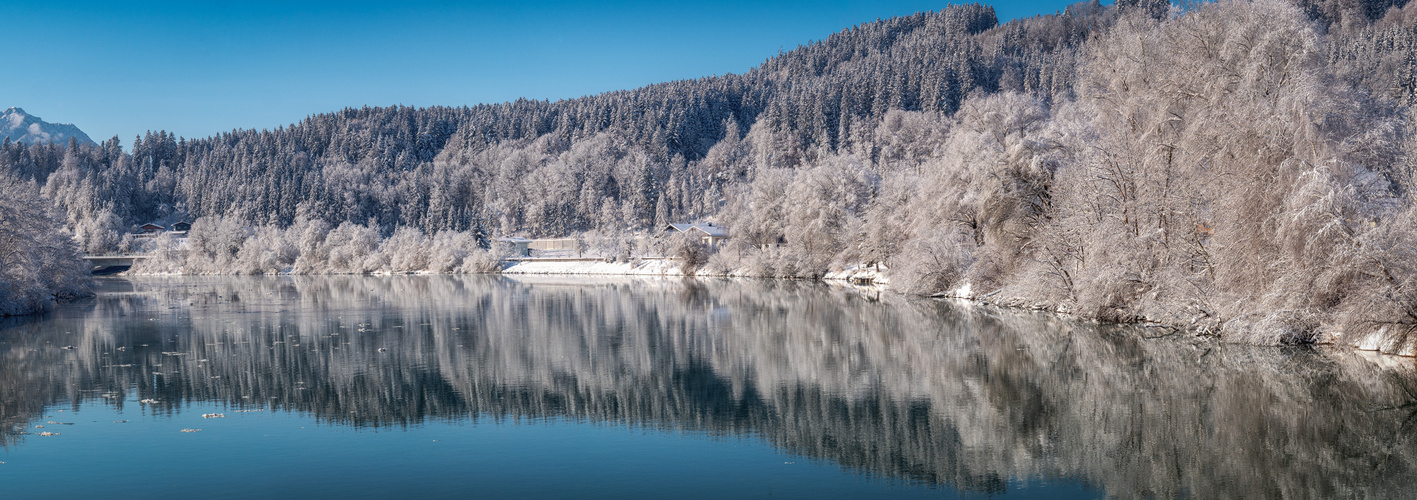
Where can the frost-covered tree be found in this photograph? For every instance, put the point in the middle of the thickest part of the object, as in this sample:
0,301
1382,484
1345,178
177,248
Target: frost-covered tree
39,263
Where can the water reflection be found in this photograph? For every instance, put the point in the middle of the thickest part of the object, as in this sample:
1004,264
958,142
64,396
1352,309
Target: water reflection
922,390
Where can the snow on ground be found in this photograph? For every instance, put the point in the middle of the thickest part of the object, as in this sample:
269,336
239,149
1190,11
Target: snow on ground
656,267
866,275
869,276
1386,340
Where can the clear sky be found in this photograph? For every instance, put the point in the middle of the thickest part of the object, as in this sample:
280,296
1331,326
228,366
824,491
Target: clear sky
202,67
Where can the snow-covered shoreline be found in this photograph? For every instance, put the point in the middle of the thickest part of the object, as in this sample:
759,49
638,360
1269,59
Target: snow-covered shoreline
1383,341
598,267
872,276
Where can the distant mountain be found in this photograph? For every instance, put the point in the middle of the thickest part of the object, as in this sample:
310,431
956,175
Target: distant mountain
20,126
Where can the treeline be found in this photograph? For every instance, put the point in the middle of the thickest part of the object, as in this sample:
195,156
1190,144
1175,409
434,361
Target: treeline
224,245
1240,167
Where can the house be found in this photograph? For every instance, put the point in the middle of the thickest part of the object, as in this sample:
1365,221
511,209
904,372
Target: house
519,246
151,229
711,234
182,226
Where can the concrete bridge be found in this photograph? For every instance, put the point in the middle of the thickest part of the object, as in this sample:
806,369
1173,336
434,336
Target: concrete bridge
110,264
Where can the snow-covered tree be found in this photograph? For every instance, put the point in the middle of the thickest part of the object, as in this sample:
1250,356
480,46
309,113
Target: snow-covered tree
39,263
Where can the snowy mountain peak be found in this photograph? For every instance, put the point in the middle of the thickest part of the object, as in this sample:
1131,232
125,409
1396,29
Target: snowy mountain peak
20,126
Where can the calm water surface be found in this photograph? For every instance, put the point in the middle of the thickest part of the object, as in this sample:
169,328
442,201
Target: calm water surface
379,387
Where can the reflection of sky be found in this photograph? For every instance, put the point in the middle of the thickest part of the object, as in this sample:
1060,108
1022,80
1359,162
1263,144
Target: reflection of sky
201,68
288,455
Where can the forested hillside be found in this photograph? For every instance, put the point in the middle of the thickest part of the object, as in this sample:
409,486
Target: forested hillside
549,168
1237,168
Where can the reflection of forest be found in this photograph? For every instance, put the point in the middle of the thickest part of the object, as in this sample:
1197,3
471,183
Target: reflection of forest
907,388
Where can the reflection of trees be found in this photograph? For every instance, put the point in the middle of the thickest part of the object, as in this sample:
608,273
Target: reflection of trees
922,390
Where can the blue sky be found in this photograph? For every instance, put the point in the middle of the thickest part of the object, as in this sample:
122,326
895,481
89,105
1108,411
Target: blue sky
200,68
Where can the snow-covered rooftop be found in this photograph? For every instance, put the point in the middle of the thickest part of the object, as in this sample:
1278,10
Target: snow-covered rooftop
708,228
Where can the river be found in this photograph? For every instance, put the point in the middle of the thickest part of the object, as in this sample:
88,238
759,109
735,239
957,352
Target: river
545,387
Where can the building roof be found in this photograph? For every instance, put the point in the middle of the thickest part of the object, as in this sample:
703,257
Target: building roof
707,228
152,226
513,239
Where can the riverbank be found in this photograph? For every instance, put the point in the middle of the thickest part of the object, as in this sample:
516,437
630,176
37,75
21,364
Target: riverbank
594,267
1388,339
1385,339
863,275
